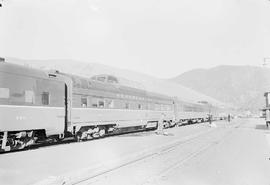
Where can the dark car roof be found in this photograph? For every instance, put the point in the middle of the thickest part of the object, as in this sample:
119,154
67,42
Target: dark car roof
22,70
114,87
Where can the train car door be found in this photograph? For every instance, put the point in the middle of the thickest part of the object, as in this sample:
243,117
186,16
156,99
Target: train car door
66,108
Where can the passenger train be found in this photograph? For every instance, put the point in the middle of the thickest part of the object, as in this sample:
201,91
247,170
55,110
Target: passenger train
38,106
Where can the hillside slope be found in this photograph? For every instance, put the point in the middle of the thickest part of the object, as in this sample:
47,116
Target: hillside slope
242,86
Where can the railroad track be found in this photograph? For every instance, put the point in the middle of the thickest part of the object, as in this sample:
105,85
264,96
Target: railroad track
178,164
144,157
89,176
162,152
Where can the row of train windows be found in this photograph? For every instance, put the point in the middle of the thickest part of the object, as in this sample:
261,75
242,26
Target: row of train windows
193,109
131,97
104,103
119,104
27,96
125,96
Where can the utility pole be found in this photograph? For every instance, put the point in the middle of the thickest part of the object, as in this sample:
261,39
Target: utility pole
266,110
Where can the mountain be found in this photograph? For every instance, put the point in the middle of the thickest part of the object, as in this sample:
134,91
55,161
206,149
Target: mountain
242,86
126,77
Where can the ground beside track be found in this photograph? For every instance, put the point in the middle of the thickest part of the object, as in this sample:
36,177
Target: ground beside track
225,154
239,155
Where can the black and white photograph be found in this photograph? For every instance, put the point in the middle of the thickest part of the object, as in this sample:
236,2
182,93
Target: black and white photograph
134,92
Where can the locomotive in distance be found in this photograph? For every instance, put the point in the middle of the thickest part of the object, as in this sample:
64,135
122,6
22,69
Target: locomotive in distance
39,106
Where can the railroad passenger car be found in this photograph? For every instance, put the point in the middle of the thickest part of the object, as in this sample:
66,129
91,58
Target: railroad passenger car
32,105
100,107
46,106
190,112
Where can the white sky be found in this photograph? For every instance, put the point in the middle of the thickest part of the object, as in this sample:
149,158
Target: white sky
162,38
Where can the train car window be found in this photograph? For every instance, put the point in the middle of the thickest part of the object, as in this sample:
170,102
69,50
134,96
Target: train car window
4,92
101,78
112,79
45,98
101,103
29,97
84,101
126,105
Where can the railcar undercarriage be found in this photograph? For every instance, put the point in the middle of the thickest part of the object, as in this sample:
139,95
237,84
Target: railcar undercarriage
17,140
91,132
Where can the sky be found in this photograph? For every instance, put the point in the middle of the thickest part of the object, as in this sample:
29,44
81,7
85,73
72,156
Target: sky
162,38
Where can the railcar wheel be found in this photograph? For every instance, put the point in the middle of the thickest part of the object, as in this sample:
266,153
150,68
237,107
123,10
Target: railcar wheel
10,145
102,132
20,146
13,144
7,149
53,139
95,135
